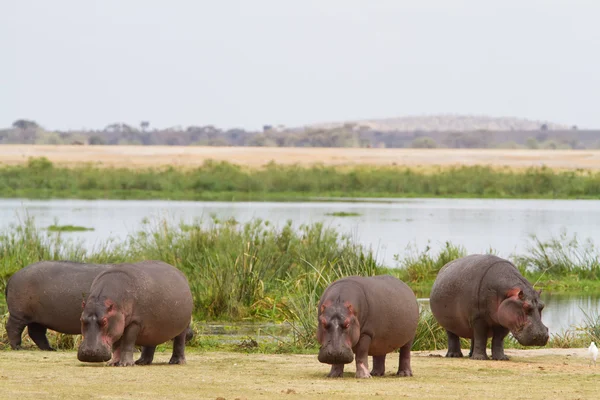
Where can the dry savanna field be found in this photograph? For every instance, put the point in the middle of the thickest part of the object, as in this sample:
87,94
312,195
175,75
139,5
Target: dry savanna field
530,374
194,156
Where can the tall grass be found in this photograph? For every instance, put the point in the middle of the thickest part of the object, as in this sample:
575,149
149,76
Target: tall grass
257,271
421,267
560,257
39,178
239,271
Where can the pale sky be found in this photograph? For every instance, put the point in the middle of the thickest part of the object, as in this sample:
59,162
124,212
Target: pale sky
71,64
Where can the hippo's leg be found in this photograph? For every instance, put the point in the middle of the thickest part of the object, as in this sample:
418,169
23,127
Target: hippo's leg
189,333
471,348
178,356
362,356
337,371
126,346
404,365
453,345
480,336
14,331
147,355
378,366
500,333
37,333
116,354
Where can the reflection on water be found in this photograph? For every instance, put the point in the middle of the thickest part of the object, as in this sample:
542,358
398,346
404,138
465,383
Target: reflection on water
564,311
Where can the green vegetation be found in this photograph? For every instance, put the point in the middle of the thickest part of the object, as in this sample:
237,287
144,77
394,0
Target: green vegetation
262,273
343,214
68,228
40,178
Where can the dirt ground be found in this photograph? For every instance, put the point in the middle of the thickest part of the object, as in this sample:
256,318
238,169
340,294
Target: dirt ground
192,156
530,374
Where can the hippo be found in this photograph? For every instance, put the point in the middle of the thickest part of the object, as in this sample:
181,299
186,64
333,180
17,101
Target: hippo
366,316
481,296
47,295
145,304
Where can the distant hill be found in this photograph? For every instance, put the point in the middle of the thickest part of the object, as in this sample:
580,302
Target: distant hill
446,123
443,131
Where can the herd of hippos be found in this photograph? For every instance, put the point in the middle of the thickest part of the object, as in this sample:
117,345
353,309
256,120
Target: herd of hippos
116,307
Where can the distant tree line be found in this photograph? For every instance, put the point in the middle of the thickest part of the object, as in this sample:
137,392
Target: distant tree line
25,131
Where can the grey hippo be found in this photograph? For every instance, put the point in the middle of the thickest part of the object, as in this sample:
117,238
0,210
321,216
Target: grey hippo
366,316
142,304
47,295
481,296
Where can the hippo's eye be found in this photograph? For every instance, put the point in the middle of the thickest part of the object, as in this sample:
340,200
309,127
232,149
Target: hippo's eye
346,324
102,322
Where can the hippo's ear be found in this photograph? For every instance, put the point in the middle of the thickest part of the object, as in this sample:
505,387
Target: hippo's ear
515,293
110,307
539,292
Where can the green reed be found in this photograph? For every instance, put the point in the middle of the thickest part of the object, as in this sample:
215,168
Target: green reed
40,178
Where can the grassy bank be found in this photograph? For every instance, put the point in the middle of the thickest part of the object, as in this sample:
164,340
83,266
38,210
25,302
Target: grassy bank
259,272
39,178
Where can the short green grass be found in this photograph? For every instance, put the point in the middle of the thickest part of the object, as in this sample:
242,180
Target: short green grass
343,214
68,228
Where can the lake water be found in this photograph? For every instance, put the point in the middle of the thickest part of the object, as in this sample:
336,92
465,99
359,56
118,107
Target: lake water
389,227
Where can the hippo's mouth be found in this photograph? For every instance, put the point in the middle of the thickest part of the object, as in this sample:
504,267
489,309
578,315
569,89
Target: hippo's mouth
335,357
89,355
525,336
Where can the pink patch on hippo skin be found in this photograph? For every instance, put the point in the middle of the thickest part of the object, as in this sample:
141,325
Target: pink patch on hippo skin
116,358
323,321
110,305
106,340
325,304
348,305
365,371
112,324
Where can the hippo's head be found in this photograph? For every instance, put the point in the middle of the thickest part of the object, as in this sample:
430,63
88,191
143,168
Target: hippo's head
101,325
521,313
338,332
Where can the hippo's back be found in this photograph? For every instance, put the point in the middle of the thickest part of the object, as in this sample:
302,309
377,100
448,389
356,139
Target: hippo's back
50,293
